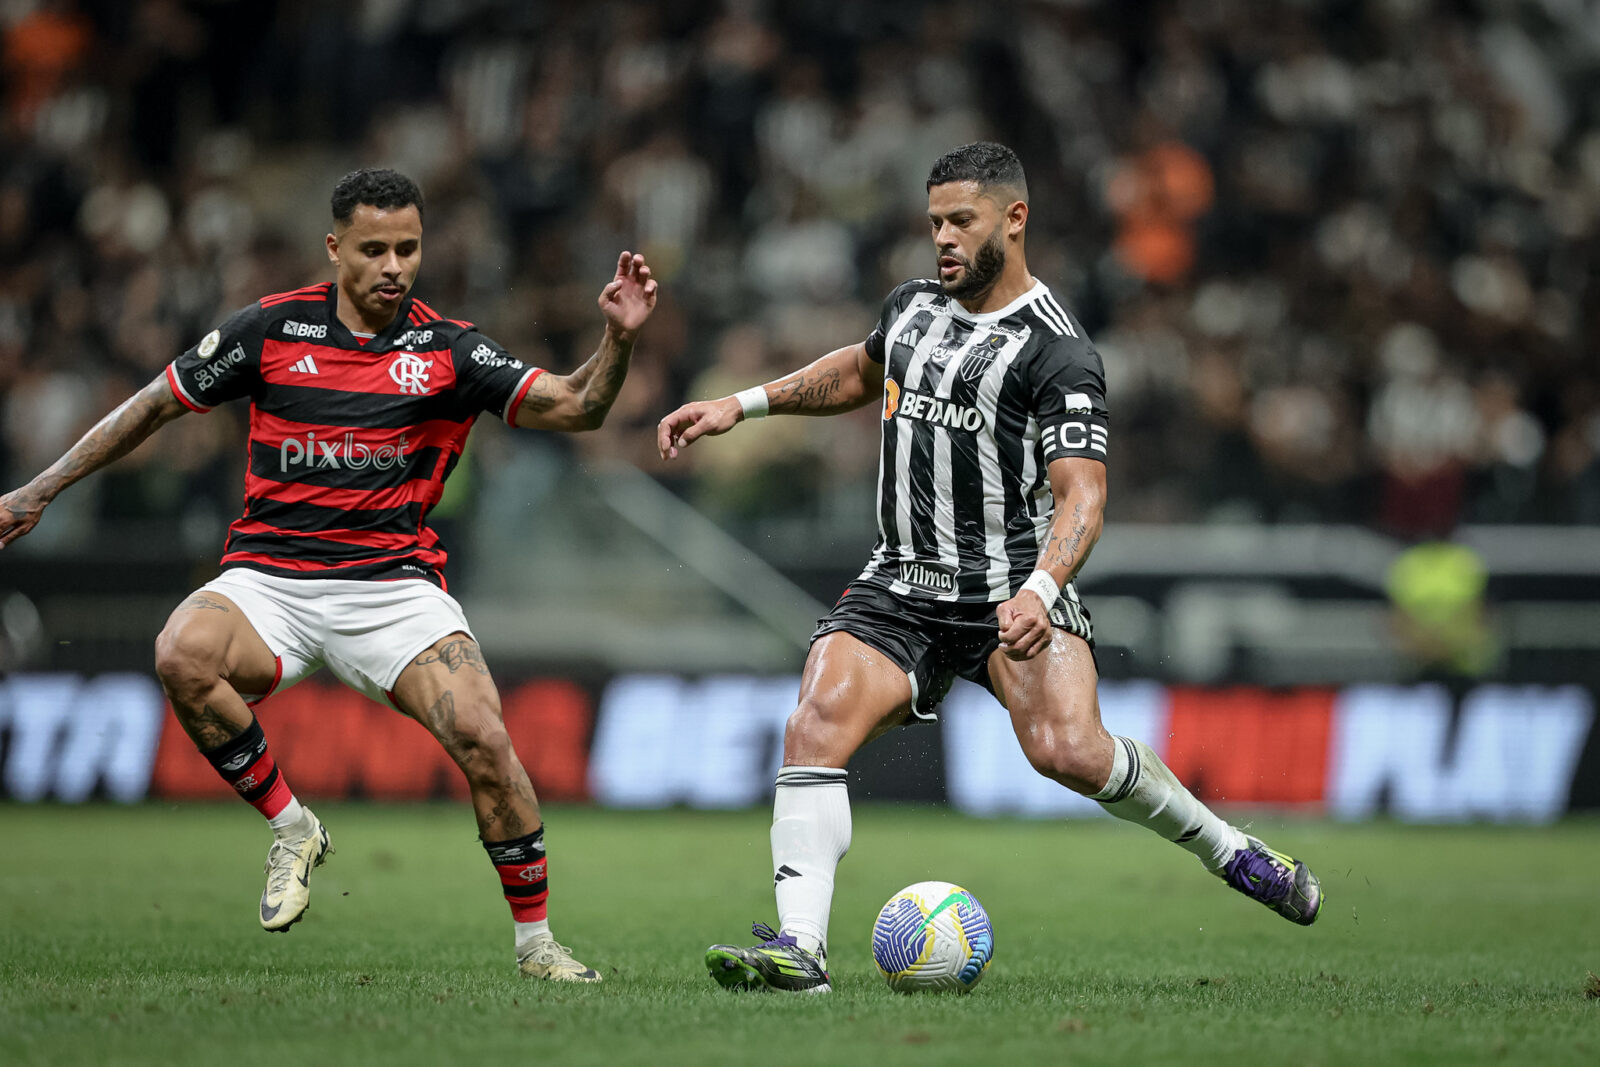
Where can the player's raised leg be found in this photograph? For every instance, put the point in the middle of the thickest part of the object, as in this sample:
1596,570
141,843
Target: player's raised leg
206,656
1056,714
447,689
849,694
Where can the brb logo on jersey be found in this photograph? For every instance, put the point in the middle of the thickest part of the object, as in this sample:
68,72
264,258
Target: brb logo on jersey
933,410
347,454
410,373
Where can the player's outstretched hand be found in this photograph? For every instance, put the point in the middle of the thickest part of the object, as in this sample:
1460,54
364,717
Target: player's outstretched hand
19,512
1024,626
703,418
630,297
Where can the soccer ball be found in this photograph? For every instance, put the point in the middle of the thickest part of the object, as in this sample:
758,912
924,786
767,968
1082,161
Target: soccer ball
932,936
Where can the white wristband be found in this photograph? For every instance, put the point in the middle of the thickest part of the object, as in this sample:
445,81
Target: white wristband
1041,583
753,401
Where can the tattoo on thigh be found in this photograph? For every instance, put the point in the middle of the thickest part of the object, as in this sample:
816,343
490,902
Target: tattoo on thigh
461,652
205,602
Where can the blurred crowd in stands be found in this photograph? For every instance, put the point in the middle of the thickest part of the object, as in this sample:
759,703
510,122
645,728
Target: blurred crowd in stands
1340,256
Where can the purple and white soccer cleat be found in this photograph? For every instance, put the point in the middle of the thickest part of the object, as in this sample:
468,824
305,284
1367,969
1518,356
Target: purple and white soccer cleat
1281,882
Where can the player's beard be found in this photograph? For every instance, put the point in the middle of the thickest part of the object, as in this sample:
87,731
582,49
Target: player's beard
982,271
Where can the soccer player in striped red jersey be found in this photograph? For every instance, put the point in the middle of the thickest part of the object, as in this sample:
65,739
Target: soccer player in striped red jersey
361,398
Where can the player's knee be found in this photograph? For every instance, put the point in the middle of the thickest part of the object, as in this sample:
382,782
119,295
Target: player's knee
812,723
1074,761
481,747
187,659
822,733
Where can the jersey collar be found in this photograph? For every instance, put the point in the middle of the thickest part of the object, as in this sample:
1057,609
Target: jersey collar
1032,293
385,336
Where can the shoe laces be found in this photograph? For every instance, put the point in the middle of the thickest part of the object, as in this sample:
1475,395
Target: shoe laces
1258,873
280,866
546,952
771,938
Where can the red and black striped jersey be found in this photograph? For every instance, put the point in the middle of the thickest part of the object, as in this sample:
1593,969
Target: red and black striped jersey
351,439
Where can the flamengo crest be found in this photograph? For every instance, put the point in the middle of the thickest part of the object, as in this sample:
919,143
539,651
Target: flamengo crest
410,372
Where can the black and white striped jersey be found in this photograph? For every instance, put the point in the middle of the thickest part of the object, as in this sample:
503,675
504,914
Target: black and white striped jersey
974,409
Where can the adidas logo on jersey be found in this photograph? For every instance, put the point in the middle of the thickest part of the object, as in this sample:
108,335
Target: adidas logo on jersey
305,366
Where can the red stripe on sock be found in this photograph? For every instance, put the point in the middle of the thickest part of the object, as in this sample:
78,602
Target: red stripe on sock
274,800
520,876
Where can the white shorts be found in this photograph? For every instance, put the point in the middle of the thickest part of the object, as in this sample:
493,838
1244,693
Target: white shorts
364,632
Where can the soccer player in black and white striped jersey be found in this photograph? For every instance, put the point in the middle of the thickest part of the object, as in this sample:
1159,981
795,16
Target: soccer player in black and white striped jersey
991,493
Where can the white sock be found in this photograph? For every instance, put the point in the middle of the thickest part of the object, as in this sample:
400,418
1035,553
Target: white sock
1143,790
292,823
529,931
810,834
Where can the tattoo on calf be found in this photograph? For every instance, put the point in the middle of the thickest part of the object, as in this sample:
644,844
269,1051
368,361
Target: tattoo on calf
207,727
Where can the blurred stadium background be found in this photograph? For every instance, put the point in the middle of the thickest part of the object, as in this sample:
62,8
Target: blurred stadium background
1340,257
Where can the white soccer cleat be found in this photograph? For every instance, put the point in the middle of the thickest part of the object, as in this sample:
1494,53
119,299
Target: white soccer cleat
288,870
543,958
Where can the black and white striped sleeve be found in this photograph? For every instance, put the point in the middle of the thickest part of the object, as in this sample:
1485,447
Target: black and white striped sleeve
1068,384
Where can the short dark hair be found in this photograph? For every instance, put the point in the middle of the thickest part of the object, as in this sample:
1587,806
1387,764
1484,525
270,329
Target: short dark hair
385,189
990,165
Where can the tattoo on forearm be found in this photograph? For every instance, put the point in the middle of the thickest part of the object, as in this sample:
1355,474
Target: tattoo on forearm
1071,548
205,602
455,654
811,389
595,384
607,370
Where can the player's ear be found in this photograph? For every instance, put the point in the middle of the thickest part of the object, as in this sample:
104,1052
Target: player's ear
333,249
1016,217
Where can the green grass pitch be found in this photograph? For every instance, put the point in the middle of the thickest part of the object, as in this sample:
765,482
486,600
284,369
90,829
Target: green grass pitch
128,935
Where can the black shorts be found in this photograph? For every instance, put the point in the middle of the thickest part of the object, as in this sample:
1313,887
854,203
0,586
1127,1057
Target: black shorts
933,641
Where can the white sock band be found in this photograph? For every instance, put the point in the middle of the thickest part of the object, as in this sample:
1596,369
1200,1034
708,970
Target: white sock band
291,823
810,834
753,401
525,932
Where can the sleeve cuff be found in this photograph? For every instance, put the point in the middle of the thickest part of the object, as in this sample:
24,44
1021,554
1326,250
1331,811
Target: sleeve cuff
510,414
181,393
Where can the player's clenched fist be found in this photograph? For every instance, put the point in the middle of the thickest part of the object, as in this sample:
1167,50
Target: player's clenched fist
1024,626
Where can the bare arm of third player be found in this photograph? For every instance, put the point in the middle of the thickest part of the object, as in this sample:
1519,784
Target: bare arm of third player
842,380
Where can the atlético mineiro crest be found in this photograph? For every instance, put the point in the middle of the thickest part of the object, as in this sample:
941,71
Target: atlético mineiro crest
410,373
981,355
